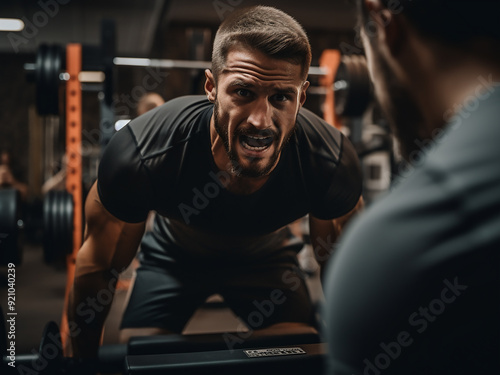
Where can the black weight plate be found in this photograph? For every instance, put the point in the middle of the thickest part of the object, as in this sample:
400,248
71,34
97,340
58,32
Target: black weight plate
54,79
58,225
352,98
361,87
342,87
47,69
10,246
48,227
355,100
41,79
64,223
68,223
57,219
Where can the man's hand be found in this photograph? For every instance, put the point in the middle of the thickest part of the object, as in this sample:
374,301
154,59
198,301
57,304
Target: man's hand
324,233
7,180
6,177
110,245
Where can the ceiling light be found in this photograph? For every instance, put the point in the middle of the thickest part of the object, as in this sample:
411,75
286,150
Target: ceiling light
11,24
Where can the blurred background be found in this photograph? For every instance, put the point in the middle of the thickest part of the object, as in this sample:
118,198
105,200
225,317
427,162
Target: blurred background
147,29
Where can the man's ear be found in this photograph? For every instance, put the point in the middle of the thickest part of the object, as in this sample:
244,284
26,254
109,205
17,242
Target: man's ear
303,94
210,89
390,29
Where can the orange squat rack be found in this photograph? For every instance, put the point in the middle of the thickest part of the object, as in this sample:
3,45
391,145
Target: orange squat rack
330,60
73,167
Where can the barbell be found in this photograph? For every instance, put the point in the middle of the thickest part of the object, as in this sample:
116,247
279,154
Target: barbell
352,84
57,226
292,353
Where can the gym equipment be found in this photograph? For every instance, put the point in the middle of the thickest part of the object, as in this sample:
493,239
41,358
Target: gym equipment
47,78
49,62
10,225
352,86
57,220
58,225
194,354
298,359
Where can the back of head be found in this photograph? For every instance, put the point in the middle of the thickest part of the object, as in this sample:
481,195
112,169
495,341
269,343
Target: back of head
4,157
453,22
265,29
149,101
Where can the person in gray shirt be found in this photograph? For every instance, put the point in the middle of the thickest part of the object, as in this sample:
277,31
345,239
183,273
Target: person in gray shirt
414,285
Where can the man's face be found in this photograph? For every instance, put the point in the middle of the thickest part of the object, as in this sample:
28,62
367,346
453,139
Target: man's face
394,97
256,104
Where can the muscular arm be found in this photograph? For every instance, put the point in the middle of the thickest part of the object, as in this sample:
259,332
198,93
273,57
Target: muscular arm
324,234
109,246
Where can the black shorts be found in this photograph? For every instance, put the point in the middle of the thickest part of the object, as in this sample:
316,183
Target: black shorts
261,293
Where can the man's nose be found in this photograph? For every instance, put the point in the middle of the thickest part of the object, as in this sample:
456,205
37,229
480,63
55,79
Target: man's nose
261,114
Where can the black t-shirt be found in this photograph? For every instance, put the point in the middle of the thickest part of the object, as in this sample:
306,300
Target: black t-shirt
162,161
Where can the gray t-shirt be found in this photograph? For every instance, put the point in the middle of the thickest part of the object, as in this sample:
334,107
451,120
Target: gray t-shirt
414,286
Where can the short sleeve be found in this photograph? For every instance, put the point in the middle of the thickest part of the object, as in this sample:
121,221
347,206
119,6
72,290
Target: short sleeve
339,191
123,183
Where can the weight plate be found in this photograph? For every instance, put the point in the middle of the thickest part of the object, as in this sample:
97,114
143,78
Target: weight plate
58,225
10,215
68,223
41,104
57,233
341,87
352,86
47,68
47,228
54,80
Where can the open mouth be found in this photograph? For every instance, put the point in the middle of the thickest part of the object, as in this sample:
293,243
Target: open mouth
256,142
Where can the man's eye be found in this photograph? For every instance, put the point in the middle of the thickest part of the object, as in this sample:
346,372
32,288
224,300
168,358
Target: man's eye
280,97
243,93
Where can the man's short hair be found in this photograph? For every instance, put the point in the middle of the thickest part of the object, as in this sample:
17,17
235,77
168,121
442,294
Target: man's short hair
451,21
266,29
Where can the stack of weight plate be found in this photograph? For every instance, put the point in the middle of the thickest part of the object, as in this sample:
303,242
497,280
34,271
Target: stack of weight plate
58,225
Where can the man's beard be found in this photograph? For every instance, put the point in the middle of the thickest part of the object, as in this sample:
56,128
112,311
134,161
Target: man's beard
404,117
254,171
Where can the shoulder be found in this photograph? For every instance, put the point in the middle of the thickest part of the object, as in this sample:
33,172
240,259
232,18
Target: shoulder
321,138
330,166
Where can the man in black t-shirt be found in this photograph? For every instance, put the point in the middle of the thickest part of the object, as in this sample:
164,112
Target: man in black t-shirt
225,175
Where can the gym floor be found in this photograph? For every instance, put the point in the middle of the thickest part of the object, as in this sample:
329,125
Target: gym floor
40,298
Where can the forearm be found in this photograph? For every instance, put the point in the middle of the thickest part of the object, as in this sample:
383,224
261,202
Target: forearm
324,246
90,302
325,234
